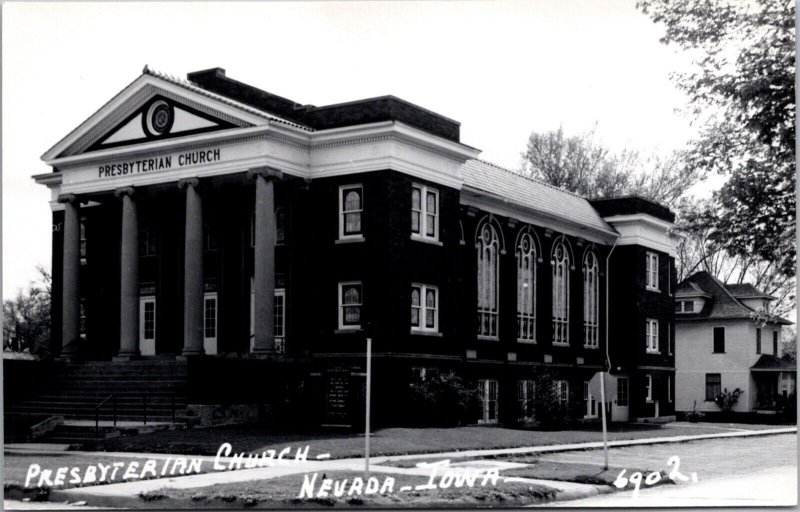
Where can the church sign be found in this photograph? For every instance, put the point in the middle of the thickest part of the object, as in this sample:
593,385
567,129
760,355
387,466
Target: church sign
158,163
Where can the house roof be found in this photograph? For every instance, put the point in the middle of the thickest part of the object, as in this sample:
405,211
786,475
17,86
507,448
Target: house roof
722,303
747,291
767,363
531,194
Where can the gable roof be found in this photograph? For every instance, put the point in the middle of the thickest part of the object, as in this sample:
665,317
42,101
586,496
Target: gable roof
690,289
722,304
769,362
532,194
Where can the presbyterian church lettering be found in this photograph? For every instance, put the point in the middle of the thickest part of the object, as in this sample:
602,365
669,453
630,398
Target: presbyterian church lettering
158,163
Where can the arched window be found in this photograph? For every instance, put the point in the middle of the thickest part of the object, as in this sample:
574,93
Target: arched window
488,247
591,301
560,264
526,288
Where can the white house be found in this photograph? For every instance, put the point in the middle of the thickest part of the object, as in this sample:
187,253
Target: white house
725,339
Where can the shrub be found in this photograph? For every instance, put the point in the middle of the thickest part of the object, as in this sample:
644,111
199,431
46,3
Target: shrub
726,400
549,411
694,415
445,400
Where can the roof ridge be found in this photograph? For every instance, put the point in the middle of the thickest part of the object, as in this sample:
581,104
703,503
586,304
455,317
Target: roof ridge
530,178
722,285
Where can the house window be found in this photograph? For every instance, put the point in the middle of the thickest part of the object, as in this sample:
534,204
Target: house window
652,271
488,247
83,239
591,403
648,387
591,297
669,388
209,238
669,338
210,323
651,335
526,391
684,306
775,343
351,202
280,321
719,340
622,391
758,340
560,264
350,301
561,390
82,322
488,392
147,241
421,374
526,289
280,225
424,212
424,308
713,385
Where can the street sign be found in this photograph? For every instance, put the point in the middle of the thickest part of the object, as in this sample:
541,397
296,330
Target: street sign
610,386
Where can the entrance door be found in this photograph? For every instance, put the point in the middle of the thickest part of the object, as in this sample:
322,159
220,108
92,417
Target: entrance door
619,408
147,325
210,323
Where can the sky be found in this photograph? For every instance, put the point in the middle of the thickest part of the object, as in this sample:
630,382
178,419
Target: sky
502,69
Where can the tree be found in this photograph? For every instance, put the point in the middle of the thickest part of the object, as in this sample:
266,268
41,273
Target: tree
26,318
741,88
584,166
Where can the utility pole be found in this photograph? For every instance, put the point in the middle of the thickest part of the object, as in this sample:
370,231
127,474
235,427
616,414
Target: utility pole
366,419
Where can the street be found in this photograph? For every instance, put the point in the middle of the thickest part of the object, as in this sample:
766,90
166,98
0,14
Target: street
730,472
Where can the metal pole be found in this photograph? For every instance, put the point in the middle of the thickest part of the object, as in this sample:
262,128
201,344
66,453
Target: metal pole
603,412
366,426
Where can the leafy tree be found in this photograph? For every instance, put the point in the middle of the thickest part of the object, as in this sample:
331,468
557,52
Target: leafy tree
445,400
580,164
789,351
741,88
26,318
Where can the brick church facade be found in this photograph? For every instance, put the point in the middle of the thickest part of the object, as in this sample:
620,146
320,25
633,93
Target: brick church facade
256,243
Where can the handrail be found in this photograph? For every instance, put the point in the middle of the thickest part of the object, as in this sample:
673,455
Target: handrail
97,413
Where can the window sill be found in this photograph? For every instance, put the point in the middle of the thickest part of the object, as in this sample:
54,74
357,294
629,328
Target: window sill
488,338
350,330
654,352
352,240
592,347
561,344
527,342
435,334
652,289
425,239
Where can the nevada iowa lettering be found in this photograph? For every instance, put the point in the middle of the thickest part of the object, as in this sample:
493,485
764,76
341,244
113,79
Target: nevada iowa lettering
158,163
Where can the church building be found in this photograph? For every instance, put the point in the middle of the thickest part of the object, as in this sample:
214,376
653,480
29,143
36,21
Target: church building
238,248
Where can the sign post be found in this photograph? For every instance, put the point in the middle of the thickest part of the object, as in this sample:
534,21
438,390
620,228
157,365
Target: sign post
605,385
366,419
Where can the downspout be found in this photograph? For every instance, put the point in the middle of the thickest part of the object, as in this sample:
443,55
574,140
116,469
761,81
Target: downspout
608,285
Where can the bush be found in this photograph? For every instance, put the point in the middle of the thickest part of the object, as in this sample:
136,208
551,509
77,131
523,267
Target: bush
445,400
726,400
694,415
549,411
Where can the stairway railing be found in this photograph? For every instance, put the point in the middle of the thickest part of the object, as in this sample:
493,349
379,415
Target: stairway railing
97,413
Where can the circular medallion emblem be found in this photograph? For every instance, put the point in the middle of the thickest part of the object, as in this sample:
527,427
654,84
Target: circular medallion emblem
158,119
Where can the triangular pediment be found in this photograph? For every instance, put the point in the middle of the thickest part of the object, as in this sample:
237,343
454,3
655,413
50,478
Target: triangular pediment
155,108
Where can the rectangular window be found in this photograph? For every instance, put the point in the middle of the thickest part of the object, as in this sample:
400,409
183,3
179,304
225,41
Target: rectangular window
350,301
758,340
669,277
424,212
526,391
713,385
280,321
351,204
775,343
561,390
652,270
651,335
622,391
147,325
591,403
82,322
209,238
424,308
669,338
648,386
489,393
669,388
83,238
688,306
147,241
210,323
719,340
280,226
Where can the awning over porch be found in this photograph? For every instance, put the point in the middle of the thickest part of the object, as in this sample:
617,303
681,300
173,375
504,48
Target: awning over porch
770,363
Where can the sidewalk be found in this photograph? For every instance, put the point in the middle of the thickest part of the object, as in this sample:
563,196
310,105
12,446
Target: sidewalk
127,493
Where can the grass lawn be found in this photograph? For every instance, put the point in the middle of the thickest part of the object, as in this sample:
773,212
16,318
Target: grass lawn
393,441
283,492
